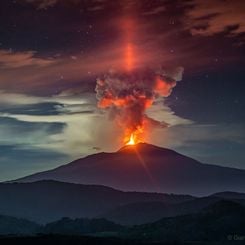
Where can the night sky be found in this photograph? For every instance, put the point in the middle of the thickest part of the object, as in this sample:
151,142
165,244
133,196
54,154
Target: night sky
52,52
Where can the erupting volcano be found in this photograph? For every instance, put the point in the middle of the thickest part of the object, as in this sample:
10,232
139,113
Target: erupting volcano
127,92
126,95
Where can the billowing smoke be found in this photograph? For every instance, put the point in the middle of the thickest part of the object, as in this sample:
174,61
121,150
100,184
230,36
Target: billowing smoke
127,95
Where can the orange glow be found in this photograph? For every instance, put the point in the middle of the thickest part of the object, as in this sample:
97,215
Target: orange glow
129,57
131,140
134,137
164,88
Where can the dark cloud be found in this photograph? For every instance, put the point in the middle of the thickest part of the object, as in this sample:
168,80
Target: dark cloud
210,17
34,109
13,60
12,130
224,90
43,4
154,11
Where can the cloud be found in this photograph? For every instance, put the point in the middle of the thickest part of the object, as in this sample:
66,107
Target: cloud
11,60
28,73
84,126
95,5
67,99
12,132
43,4
19,99
162,113
210,17
82,132
77,128
96,8
154,11
75,114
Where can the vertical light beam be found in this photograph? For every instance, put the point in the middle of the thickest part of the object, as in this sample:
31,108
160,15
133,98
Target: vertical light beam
129,57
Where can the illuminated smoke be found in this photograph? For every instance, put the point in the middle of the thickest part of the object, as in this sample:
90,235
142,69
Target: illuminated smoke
126,96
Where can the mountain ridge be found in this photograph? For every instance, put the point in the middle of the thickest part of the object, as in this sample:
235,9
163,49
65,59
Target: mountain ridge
147,168
49,200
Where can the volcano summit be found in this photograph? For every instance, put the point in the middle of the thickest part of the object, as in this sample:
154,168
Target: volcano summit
145,167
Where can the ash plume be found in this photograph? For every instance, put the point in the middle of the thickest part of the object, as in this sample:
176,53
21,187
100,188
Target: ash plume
126,95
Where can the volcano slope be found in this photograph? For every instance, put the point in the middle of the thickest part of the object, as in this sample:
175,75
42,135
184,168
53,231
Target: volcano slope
145,167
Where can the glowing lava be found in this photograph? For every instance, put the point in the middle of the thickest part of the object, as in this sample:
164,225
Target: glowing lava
134,137
131,140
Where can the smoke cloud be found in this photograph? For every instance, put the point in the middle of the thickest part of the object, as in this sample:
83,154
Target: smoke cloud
127,95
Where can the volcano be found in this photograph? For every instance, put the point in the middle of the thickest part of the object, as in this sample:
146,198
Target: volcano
148,168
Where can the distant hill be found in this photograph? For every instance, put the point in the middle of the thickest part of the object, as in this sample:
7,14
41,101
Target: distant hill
47,201
67,226
145,167
44,239
214,223
146,212
14,226
230,195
